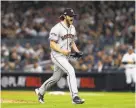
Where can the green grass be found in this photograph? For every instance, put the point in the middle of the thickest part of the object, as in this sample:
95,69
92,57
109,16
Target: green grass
28,99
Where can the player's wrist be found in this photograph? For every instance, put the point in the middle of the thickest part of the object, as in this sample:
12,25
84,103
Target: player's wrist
77,51
63,52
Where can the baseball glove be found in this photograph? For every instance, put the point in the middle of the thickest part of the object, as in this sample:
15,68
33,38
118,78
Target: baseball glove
76,55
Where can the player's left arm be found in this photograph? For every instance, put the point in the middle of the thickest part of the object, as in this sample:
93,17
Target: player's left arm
74,46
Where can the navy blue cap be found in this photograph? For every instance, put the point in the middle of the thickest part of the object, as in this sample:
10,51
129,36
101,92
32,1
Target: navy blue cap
130,48
69,12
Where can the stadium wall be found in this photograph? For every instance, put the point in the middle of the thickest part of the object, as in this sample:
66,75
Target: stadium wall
111,81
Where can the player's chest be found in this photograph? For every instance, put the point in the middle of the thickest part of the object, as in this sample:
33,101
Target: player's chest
67,33
130,57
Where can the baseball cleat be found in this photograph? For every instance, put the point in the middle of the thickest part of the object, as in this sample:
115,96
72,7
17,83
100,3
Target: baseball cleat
77,100
40,97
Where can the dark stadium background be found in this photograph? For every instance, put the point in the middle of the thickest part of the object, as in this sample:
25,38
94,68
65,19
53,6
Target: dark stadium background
104,29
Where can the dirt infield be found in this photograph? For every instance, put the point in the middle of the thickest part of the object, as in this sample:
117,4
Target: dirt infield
15,101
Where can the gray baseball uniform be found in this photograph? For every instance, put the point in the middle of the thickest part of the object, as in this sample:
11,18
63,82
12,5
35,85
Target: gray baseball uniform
63,36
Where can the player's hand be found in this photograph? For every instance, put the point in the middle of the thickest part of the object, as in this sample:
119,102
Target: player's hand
130,62
65,52
77,55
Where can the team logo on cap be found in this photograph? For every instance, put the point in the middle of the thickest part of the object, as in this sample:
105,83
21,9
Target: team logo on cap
71,10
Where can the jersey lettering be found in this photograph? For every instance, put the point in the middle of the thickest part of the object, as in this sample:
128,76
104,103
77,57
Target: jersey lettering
67,36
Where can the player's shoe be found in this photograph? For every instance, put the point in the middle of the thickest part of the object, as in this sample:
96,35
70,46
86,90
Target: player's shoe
40,97
78,100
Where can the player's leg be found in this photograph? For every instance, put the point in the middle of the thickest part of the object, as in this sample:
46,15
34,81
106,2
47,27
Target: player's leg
57,74
133,74
63,63
128,78
135,78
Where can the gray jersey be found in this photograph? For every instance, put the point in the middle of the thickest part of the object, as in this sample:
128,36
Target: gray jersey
63,36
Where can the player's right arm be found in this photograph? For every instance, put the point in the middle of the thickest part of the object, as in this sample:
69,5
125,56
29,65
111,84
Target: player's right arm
57,48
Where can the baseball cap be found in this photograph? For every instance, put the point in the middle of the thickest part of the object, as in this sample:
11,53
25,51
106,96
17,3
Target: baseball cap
69,12
130,48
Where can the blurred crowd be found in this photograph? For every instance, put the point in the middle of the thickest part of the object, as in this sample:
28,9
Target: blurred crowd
104,31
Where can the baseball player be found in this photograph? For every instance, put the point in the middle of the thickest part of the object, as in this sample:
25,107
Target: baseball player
62,39
129,61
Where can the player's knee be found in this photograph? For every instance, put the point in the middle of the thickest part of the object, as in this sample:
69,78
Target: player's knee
128,81
55,78
134,81
71,70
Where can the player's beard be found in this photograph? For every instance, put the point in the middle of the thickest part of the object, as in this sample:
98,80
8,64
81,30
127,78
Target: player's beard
68,22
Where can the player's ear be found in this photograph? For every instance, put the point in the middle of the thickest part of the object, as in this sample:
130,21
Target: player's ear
61,17
65,16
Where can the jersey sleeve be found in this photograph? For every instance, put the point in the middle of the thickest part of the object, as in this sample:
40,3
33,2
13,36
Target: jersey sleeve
54,33
124,59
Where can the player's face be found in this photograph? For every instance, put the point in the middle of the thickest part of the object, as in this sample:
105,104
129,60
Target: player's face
130,51
69,19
